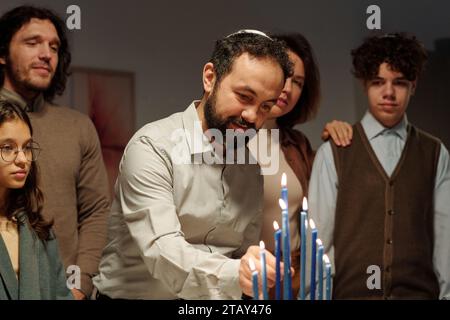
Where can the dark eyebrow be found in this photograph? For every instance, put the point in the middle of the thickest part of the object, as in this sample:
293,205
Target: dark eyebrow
252,92
9,140
32,37
248,89
38,37
299,77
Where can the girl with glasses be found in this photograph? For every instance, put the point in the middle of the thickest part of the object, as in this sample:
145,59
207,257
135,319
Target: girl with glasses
30,266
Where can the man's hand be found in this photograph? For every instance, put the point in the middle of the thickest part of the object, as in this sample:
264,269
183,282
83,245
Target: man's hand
341,132
245,274
78,295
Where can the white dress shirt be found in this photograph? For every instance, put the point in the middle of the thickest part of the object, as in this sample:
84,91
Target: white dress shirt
177,230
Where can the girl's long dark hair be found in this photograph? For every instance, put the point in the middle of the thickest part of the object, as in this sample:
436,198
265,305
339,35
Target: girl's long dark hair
28,199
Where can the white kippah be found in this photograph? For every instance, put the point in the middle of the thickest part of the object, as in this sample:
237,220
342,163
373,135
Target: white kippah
250,31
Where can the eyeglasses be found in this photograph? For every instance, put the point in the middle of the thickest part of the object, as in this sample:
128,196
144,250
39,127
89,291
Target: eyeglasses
9,152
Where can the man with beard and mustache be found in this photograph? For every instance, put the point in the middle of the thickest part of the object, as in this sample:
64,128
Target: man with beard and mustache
34,62
185,229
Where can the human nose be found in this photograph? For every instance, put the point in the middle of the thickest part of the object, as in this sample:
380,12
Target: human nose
21,157
287,86
45,52
250,114
388,90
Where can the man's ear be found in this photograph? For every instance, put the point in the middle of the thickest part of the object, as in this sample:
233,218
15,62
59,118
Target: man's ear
2,60
209,77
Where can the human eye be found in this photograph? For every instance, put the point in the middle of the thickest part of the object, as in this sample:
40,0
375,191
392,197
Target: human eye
8,147
298,83
243,97
31,42
54,47
266,107
401,83
376,82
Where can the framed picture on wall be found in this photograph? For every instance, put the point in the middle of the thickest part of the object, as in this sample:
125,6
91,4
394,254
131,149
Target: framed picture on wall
107,97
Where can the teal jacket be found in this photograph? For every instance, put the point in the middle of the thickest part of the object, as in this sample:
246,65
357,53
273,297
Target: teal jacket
41,273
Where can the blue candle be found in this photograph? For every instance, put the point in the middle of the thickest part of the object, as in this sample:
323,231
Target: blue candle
320,267
303,227
254,279
284,190
277,236
313,258
262,255
287,285
328,277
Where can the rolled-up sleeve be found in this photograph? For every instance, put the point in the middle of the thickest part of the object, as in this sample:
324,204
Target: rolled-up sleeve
145,191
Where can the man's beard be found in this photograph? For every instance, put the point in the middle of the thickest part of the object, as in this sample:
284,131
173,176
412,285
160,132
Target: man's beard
214,121
21,82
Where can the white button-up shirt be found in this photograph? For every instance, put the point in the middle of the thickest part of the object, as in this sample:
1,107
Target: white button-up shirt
177,229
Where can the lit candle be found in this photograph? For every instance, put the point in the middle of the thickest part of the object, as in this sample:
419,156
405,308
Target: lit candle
287,292
277,236
254,279
320,267
303,227
326,260
313,258
262,254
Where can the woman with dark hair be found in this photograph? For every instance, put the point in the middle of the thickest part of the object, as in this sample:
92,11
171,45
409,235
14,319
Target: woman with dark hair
297,104
30,267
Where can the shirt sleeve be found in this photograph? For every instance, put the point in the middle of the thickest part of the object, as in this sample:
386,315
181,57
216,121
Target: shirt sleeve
441,256
93,200
145,191
322,200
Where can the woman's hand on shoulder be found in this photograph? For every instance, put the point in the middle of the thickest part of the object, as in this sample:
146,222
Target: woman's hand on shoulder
340,131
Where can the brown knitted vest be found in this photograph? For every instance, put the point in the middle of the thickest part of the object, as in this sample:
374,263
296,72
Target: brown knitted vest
386,222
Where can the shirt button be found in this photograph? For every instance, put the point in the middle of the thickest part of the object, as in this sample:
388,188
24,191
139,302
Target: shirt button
389,241
391,212
388,269
391,183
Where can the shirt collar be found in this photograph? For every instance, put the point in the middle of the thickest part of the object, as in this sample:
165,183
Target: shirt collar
197,141
36,105
373,128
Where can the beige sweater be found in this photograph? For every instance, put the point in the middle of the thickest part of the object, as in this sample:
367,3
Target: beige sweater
74,182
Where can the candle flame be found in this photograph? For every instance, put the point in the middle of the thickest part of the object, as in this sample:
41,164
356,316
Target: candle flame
305,204
276,226
326,259
261,245
283,180
282,204
251,264
312,224
319,242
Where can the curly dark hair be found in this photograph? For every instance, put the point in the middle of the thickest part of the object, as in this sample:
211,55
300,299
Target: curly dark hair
29,199
226,50
13,20
308,103
404,53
